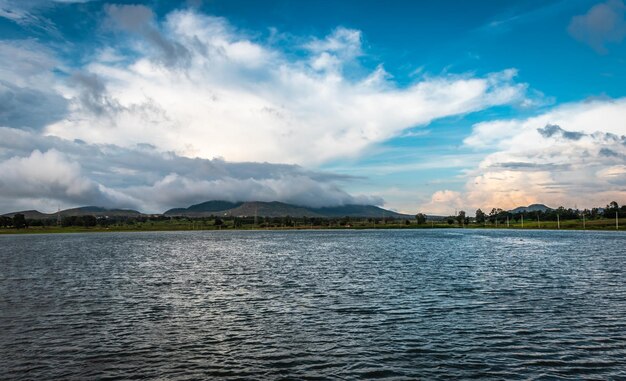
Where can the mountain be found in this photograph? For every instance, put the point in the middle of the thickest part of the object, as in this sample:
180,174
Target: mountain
99,212
530,208
82,211
210,207
280,209
30,214
359,211
227,208
271,209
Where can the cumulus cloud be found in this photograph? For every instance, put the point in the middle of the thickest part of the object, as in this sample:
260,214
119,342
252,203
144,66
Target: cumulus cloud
572,155
603,24
47,177
185,108
210,90
444,202
44,171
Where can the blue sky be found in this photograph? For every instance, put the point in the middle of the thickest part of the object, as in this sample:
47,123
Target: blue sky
417,106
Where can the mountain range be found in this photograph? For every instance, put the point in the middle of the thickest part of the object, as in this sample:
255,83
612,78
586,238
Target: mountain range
227,208
530,208
81,211
280,209
249,209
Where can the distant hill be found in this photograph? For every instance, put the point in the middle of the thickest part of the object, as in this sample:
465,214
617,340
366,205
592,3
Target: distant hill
271,209
30,214
530,208
82,211
280,209
237,209
99,212
211,207
359,211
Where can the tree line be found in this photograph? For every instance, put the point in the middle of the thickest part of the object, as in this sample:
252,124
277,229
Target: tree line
497,215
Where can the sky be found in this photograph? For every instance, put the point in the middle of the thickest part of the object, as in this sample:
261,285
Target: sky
429,107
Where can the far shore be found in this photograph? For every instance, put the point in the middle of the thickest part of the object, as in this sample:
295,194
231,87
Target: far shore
593,225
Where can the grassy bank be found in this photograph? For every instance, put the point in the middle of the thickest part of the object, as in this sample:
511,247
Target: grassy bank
185,225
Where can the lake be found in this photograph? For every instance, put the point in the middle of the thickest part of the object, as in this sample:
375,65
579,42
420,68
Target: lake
396,304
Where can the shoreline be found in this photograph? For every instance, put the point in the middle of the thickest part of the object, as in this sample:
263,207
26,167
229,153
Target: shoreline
74,230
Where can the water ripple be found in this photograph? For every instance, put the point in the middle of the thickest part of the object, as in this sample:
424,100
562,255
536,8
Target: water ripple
429,304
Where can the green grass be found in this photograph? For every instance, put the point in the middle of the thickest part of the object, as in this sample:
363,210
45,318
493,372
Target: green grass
180,225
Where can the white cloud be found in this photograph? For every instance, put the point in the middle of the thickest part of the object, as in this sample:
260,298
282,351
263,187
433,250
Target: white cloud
444,202
208,90
43,178
43,172
138,124
573,155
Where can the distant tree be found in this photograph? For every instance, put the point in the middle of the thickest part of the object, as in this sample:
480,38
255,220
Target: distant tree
237,222
218,222
5,222
450,220
89,221
611,209
19,221
421,218
494,214
460,218
34,222
480,216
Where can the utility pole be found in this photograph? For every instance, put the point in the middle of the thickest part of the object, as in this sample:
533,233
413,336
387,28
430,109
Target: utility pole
538,225
616,222
507,222
256,210
584,228
558,222
522,221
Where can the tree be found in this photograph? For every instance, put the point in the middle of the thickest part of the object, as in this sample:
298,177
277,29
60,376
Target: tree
480,216
19,221
218,222
5,222
611,209
421,218
494,214
89,221
460,218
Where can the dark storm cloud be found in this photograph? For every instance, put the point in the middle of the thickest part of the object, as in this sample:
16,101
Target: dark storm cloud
521,166
139,19
604,23
24,107
93,95
552,129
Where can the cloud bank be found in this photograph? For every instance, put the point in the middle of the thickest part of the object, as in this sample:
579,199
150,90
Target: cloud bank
574,155
181,109
195,85
43,172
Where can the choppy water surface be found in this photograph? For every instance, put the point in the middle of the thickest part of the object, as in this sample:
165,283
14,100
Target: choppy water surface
429,304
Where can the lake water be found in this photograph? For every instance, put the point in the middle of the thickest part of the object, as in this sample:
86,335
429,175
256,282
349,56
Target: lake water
430,304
